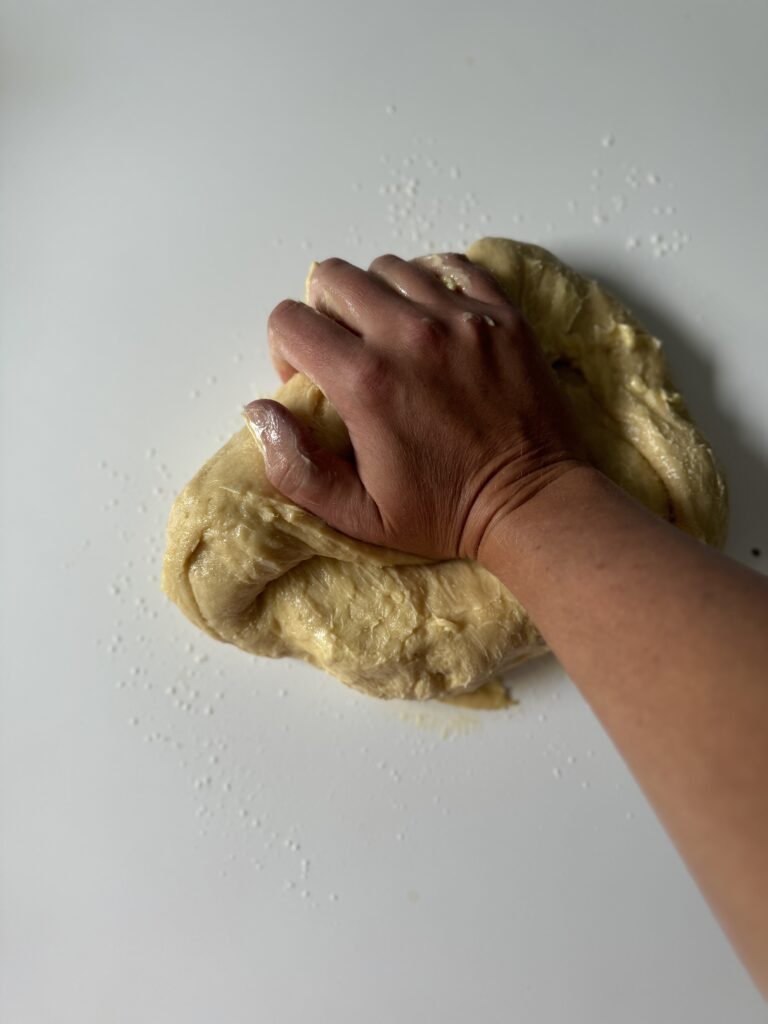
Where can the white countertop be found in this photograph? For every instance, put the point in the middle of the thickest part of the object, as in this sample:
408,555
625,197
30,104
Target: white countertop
193,835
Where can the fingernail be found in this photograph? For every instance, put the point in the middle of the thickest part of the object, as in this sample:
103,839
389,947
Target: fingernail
261,422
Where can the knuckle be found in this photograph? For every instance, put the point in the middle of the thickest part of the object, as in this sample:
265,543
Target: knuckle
474,326
426,333
288,477
507,317
288,467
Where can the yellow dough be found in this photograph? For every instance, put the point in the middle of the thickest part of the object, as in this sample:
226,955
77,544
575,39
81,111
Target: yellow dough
252,569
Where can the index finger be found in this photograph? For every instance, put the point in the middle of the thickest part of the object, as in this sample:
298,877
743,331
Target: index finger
301,339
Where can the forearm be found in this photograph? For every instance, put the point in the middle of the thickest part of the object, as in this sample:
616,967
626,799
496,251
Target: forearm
668,641
454,417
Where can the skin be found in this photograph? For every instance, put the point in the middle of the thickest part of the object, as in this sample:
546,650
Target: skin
464,447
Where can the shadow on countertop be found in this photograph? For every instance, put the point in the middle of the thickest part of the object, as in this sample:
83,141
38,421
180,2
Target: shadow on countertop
745,466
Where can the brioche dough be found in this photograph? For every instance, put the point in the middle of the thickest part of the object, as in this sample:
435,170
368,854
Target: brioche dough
252,569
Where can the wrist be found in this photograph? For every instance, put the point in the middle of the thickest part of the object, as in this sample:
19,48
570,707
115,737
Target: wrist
562,505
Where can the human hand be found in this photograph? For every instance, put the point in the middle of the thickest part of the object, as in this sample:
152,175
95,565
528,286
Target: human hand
454,417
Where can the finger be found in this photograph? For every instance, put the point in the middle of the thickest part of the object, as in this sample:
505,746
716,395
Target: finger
308,474
409,279
302,339
353,297
460,275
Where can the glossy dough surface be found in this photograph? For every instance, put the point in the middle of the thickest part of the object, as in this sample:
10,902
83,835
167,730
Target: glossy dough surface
252,569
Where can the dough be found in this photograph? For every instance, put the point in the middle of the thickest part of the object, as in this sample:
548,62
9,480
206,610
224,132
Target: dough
252,569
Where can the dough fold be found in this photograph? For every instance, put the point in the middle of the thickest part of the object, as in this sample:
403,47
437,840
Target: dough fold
252,569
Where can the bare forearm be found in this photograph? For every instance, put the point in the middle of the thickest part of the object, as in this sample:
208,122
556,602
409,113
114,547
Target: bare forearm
664,637
668,641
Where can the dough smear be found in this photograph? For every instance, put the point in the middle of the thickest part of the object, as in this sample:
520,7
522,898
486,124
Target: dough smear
252,569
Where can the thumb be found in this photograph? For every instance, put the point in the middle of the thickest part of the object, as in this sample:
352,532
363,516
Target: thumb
311,476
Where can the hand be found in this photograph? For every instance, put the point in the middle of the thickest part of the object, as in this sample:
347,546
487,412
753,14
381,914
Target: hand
454,416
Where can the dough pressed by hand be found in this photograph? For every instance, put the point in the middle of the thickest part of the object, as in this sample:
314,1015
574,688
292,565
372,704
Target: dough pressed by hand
252,569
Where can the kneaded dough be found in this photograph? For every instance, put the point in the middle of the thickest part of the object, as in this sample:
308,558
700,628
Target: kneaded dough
252,569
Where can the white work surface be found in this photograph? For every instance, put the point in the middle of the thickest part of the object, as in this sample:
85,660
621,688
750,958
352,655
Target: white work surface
191,834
